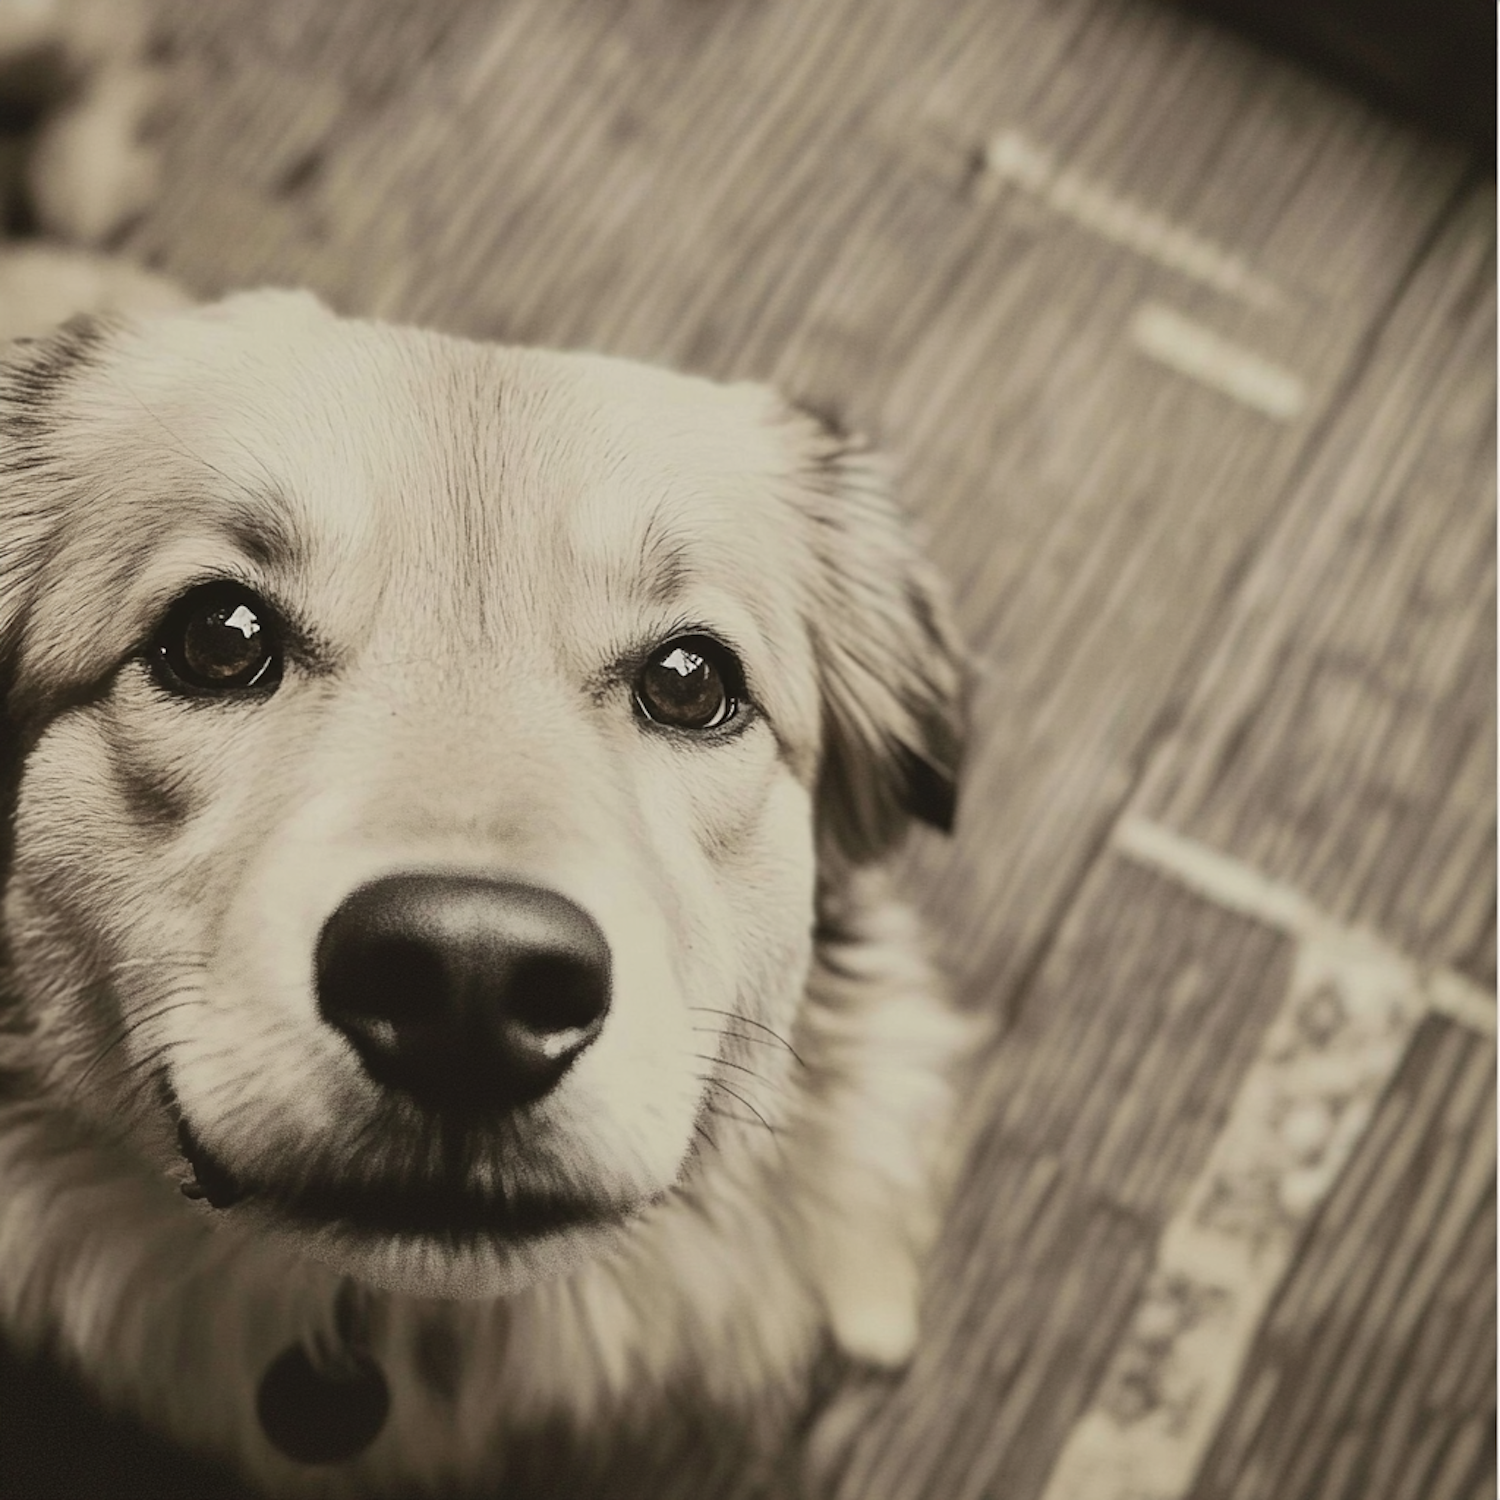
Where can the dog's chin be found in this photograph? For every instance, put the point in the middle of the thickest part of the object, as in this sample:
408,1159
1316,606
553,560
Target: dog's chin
424,1239
477,1265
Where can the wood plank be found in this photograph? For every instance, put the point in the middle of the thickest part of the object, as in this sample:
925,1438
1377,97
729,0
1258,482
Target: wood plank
1089,1123
1374,1374
1342,738
1345,1023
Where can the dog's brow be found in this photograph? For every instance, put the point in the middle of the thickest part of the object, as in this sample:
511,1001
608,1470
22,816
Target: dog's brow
665,570
262,505
261,528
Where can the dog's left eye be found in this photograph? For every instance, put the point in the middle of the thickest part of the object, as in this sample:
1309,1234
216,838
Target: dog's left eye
690,683
218,638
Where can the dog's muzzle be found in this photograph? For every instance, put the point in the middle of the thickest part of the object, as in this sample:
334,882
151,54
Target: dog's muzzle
467,993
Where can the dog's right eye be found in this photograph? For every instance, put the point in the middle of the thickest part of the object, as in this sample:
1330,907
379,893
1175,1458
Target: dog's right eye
219,638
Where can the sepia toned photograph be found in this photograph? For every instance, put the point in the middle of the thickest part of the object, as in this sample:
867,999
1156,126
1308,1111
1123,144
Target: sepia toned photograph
747,750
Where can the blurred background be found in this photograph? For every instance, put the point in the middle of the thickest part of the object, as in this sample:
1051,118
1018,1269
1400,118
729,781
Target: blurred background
1178,321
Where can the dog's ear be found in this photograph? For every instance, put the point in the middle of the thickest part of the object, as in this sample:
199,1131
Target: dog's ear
892,672
33,371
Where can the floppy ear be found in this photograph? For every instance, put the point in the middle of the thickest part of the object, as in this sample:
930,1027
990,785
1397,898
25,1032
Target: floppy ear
892,673
33,371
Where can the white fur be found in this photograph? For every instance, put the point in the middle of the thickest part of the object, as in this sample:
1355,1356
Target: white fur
469,533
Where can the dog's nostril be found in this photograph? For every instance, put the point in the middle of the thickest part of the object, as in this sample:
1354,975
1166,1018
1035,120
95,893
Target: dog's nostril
464,991
556,993
396,979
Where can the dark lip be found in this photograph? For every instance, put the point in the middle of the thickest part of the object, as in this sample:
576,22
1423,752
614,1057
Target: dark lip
211,1180
434,1210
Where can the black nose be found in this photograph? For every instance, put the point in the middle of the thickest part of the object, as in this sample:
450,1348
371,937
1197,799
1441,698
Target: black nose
466,992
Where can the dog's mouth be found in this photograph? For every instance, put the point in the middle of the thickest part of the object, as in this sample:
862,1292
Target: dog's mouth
211,1181
454,1213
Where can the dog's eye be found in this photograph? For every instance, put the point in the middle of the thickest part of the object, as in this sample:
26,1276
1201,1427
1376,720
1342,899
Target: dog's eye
690,683
218,638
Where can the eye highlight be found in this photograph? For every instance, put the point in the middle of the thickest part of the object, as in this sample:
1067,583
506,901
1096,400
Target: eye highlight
690,682
217,640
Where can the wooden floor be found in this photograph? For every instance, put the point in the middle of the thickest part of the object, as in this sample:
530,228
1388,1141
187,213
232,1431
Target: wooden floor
1188,362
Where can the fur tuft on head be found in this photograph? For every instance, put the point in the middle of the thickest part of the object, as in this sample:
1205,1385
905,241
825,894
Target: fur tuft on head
892,671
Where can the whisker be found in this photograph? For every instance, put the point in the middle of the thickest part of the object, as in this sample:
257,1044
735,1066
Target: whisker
751,1021
719,1084
724,1062
162,964
135,1083
98,1062
708,1080
137,1067
759,1041
129,1028
143,1079
168,955
141,1074
720,1112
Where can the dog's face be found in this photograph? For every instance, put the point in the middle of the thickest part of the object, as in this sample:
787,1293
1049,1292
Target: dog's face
422,756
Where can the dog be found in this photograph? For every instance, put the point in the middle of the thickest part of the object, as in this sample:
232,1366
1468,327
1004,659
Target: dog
453,987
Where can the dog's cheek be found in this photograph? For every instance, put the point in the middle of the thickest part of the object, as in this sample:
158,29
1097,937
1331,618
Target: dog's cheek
152,774
87,829
769,882
736,802
89,888
124,832
738,831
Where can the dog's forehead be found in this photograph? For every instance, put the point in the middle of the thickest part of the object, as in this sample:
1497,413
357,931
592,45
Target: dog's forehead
411,429
421,425
357,462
